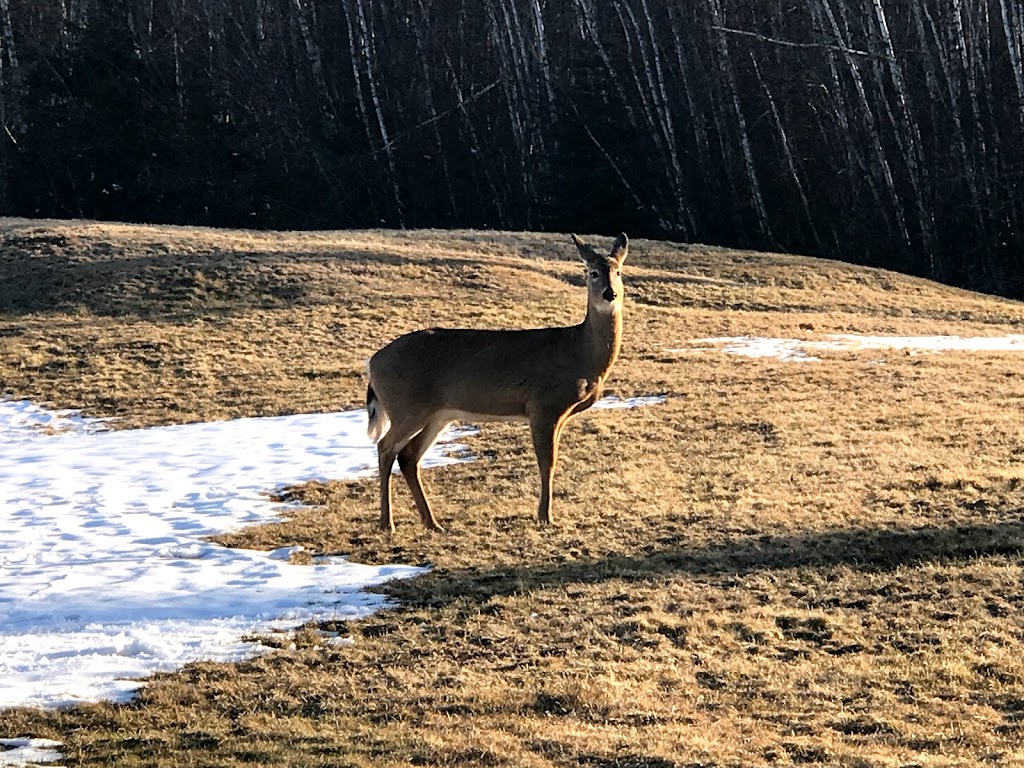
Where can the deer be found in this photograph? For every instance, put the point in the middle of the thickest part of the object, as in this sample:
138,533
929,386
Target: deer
423,381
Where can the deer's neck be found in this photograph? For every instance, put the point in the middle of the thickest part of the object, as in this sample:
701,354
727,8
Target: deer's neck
602,336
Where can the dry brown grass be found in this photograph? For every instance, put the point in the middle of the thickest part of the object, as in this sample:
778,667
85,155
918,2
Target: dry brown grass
784,564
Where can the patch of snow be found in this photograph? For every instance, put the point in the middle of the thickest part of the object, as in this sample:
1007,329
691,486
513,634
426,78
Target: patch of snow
26,752
20,416
791,350
630,402
803,350
105,575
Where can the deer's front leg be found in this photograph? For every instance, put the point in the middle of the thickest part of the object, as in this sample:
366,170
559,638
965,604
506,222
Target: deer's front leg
546,430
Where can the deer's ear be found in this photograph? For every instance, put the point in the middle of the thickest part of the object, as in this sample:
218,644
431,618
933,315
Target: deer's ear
620,248
586,252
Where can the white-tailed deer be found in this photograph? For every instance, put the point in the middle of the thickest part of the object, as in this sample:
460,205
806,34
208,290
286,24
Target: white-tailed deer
423,381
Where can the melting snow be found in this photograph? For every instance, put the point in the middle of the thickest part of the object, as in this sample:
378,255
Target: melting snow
105,574
629,402
28,751
803,350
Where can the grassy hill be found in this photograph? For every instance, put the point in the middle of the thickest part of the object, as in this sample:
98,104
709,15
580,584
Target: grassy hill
786,563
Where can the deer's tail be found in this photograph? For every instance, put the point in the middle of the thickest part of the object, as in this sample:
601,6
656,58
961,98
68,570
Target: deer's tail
379,423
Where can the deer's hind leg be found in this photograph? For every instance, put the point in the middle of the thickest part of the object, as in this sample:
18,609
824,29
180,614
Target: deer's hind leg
409,462
385,461
388,449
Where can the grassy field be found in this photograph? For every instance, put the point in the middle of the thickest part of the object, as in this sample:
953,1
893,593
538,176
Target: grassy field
814,563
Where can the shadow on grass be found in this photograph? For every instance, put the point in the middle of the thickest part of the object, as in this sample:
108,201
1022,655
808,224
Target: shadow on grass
102,279
153,286
864,549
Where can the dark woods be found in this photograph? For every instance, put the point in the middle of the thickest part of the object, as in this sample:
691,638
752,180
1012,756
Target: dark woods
886,132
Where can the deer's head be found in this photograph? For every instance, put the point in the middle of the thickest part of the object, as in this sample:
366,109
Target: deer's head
604,274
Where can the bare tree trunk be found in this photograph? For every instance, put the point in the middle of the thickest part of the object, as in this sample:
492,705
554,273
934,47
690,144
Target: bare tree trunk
428,96
145,28
179,86
315,60
683,218
475,144
641,92
361,57
926,27
872,124
858,164
787,152
545,66
518,60
260,12
357,77
911,139
214,14
1011,27
695,118
9,117
506,32
8,37
643,75
366,39
968,67
725,65
79,13
587,16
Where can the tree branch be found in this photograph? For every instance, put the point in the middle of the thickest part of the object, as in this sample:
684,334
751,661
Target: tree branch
793,44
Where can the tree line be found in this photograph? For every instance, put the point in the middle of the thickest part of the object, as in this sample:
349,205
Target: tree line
882,132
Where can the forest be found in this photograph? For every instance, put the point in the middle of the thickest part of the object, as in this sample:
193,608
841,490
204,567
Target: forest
881,132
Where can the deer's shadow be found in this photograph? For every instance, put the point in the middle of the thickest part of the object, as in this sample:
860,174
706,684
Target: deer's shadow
866,549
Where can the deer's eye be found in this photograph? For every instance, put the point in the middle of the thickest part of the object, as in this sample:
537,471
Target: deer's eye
594,274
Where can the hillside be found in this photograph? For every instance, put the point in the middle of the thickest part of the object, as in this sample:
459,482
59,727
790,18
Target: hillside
787,562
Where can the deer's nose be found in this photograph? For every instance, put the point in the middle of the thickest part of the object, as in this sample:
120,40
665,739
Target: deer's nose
609,294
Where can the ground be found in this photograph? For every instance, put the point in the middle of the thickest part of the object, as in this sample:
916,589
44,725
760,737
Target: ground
786,563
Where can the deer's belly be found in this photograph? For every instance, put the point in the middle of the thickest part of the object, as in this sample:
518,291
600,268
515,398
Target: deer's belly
477,417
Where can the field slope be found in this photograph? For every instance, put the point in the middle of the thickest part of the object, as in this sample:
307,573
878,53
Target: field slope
786,563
